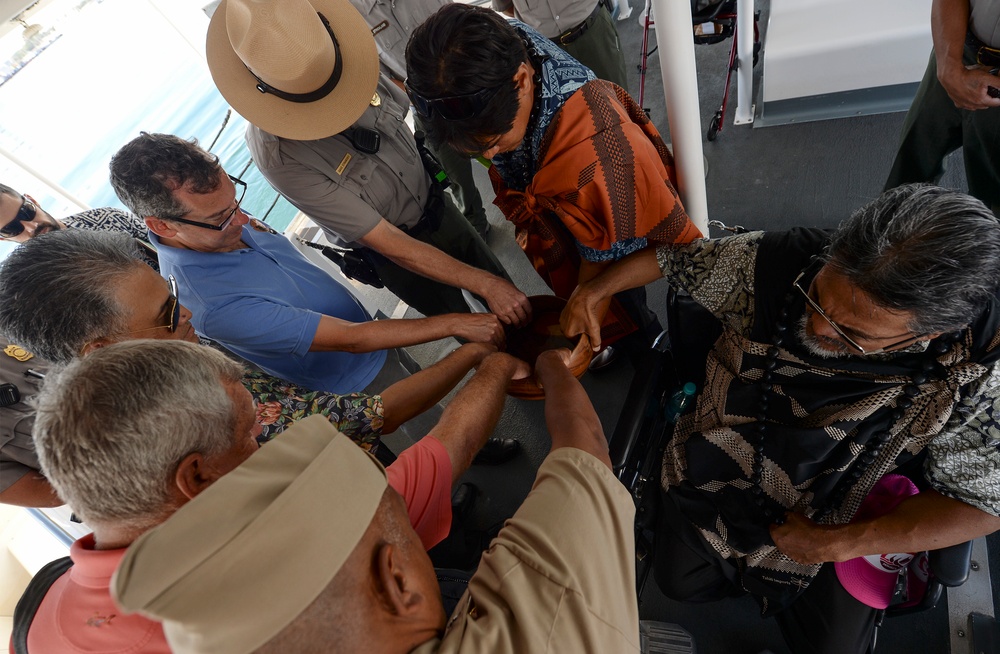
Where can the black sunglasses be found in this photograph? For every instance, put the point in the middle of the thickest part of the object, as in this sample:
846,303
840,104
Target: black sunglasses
455,107
241,190
24,215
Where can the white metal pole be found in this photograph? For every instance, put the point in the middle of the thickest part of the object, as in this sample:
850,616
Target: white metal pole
744,55
44,179
680,88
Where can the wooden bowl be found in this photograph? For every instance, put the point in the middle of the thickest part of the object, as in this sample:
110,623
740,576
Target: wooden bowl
541,334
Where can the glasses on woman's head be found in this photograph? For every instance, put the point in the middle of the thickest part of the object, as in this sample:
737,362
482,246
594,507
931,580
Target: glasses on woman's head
840,332
173,310
241,190
454,107
25,214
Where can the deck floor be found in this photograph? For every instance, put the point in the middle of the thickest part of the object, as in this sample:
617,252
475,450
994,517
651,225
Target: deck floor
771,178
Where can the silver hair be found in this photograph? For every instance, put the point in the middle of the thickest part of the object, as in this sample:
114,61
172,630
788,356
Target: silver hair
58,291
923,249
112,427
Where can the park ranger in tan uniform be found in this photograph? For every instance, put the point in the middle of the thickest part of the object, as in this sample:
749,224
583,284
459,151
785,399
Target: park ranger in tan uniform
392,23
343,156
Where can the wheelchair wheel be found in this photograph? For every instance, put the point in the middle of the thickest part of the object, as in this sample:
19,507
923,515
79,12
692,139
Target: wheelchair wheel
714,126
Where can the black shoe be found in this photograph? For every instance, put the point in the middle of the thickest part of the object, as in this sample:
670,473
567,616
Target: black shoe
603,359
462,500
497,451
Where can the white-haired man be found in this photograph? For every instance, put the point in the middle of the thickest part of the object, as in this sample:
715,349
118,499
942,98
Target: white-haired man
125,454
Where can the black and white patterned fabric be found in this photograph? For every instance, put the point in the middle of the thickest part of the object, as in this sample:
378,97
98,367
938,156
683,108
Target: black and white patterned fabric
109,219
828,428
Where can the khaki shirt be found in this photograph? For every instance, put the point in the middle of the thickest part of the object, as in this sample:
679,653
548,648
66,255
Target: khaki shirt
560,576
550,17
984,21
392,24
17,450
345,191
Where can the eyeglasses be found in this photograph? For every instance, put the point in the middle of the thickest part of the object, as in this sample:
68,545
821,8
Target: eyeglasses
454,107
25,214
175,310
241,190
840,332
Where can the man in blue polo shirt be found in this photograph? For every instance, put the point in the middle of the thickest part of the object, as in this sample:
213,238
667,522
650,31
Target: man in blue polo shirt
251,289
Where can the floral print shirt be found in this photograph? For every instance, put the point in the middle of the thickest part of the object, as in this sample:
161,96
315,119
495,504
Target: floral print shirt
280,403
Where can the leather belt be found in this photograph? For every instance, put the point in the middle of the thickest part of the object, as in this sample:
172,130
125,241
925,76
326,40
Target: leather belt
985,55
573,33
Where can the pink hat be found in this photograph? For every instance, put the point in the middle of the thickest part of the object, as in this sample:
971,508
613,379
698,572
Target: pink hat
872,579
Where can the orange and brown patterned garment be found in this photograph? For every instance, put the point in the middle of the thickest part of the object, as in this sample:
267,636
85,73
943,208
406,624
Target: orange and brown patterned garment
604,181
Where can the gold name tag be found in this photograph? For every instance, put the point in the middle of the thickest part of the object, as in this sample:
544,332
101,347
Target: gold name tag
343,163
18,353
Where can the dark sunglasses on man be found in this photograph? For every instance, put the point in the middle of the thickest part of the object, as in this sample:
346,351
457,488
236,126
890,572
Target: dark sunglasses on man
454,107
25,214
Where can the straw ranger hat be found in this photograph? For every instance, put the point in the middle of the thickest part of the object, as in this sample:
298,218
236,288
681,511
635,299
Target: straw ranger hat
299,69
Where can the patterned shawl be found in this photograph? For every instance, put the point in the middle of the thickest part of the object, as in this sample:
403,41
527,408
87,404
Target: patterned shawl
603,189
822,419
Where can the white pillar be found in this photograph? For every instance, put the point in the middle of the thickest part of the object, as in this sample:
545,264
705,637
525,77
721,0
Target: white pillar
680,88
41,177
744,55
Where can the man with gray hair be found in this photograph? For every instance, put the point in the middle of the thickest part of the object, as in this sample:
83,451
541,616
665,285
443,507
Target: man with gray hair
560,575
126,453
72,292
839,358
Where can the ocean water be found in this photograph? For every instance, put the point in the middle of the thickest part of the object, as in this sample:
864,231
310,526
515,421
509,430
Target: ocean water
116,68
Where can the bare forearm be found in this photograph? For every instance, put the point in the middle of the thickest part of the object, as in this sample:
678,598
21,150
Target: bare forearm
928,521
504,299
334,334
32,490
419,392
589,302
569,414
921,522
633,271
469,419
949,24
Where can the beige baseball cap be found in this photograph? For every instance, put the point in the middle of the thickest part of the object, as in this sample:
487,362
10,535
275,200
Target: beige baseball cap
235,565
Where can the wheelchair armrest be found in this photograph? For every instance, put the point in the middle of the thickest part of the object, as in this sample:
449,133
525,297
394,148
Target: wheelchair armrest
950,565
635,410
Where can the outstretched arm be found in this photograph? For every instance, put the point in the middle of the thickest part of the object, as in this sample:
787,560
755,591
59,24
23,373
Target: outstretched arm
341,335
503,298
967,88
588,303
569,414
927,521
412,396
469,419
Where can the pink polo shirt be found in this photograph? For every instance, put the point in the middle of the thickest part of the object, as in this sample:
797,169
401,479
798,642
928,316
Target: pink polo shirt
78,614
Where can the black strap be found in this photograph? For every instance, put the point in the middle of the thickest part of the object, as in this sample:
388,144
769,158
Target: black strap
28,605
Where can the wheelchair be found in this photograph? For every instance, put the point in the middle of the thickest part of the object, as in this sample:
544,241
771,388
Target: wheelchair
643,430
